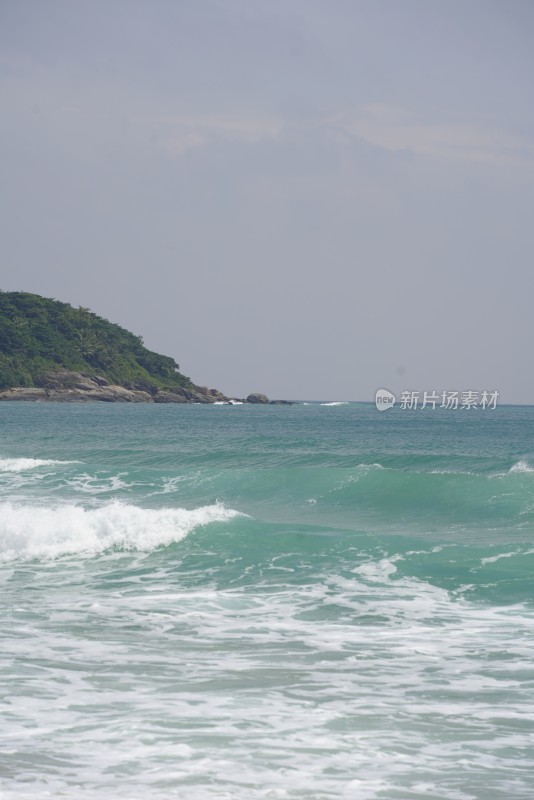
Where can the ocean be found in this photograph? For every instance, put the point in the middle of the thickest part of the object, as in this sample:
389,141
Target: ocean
241,602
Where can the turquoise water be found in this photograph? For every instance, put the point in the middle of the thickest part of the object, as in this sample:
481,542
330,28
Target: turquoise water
266,602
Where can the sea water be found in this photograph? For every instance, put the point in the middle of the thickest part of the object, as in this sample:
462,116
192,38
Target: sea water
244,602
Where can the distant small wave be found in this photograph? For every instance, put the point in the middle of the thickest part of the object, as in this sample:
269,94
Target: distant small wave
521,466
449,472
23,464
336,403
493,559
36,532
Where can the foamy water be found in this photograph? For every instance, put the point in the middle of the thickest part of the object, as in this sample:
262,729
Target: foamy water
49,532
25,464
275,604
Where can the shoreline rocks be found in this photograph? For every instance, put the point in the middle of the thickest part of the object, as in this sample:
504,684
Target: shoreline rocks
65,386
257,398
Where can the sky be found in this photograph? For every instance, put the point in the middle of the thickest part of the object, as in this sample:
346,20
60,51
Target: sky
307,198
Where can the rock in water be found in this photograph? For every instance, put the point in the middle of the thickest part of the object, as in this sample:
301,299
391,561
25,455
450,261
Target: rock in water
257,398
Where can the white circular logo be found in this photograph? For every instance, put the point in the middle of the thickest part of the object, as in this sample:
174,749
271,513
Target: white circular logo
384,399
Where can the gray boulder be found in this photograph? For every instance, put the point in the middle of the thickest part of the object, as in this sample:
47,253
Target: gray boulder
22,393
257,398
169,397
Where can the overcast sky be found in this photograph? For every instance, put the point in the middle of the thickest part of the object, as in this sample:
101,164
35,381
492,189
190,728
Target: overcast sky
309,198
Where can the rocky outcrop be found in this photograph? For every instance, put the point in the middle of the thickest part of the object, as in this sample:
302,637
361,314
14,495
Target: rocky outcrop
252,398
169,397
257,398
22,393
65,386
66,379
84,391
198,394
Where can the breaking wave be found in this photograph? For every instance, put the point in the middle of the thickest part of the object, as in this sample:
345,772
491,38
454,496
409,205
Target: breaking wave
35,532
23,464
521,466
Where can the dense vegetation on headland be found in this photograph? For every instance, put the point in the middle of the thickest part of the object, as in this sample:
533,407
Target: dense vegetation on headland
39,336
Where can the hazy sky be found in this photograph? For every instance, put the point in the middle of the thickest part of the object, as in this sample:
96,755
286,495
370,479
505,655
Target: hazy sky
310,198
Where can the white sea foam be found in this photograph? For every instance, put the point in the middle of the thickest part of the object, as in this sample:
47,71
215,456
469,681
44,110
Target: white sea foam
336,403
95,484
521,466
354,686
23,464
448,472
377,570
493,559
35,532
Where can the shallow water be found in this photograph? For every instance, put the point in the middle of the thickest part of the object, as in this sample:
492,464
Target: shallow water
266,602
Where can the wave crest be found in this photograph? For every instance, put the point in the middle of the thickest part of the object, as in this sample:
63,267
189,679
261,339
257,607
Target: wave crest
35,532
23,464
521,466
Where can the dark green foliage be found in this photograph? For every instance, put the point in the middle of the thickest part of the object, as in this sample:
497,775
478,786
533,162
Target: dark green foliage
39,336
